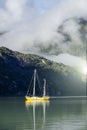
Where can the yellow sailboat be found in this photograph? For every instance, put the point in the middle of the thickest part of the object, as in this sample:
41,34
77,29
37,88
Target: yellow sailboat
34,97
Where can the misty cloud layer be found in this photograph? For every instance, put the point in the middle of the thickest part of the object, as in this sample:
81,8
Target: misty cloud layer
42,26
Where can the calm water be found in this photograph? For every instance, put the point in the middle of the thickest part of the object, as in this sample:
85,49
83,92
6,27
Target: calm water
58,114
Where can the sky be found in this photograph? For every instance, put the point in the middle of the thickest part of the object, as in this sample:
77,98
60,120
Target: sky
29,25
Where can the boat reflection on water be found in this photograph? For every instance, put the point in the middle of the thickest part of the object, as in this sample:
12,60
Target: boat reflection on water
35,104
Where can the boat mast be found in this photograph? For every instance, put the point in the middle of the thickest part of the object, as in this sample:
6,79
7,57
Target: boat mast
34,82
44,88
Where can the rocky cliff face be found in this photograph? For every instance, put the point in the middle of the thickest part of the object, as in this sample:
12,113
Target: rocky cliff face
16,70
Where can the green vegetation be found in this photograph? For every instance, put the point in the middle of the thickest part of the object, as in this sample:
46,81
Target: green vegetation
16,70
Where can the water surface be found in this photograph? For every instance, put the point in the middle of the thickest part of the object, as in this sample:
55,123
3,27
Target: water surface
57,114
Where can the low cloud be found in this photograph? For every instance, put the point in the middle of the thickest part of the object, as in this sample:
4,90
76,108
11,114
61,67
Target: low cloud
34,26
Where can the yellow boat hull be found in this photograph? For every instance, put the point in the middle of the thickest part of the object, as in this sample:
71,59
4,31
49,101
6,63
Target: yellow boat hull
36,98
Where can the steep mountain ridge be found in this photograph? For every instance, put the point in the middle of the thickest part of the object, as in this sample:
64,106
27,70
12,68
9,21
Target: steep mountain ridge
16,70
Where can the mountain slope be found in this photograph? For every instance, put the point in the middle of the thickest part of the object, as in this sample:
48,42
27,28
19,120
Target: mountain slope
16,70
